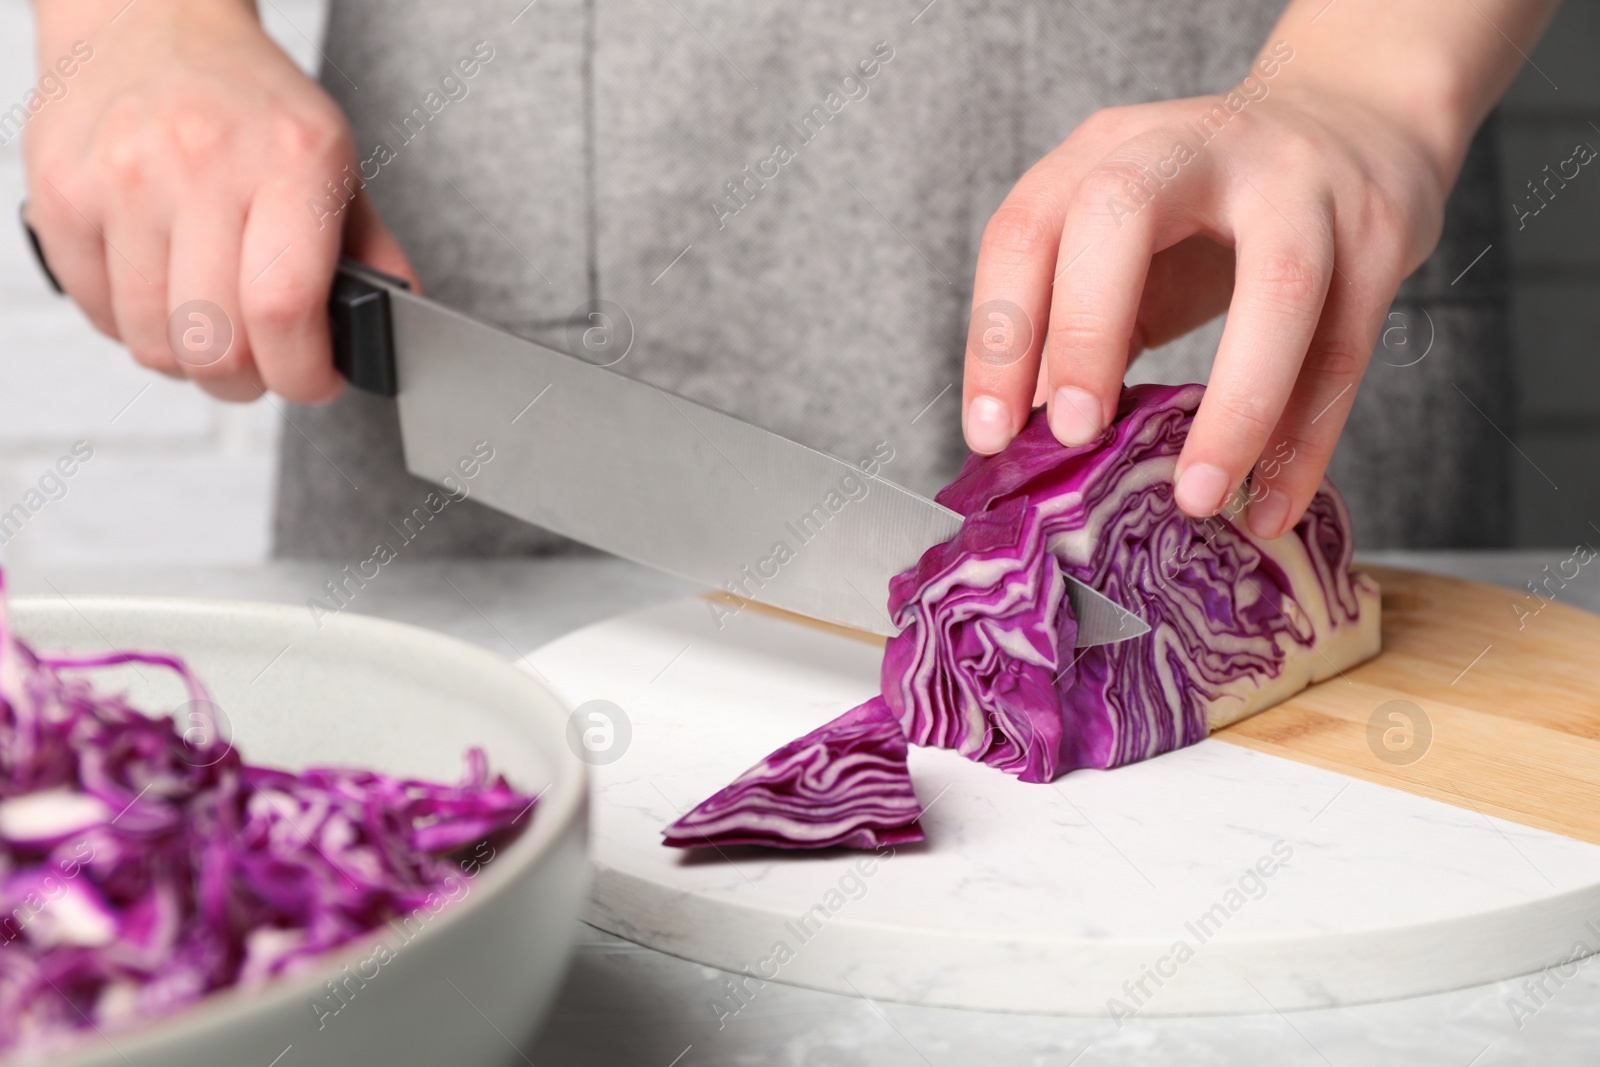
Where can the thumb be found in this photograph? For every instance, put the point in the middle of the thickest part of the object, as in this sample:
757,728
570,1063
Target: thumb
368,240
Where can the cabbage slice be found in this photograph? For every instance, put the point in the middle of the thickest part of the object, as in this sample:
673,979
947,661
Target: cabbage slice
986,648
844,783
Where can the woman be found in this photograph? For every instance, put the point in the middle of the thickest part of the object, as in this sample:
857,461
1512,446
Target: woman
825,220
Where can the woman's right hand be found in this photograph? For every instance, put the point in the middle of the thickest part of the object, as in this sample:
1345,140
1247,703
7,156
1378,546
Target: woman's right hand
185,161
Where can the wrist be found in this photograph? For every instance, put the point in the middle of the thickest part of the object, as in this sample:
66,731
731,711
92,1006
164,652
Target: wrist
1428,101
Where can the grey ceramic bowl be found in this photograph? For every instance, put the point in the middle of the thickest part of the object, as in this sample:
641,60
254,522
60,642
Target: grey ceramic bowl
472,987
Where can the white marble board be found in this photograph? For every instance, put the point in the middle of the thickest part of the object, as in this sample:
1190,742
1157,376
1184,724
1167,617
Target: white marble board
1134,892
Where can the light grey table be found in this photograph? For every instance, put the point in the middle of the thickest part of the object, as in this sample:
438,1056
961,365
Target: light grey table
628,1005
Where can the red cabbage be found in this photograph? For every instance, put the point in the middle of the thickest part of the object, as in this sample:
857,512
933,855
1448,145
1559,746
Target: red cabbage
985,664
141,869
1237,623
986,645
844,783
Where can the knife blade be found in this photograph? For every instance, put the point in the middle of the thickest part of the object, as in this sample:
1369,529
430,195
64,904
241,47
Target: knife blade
635,470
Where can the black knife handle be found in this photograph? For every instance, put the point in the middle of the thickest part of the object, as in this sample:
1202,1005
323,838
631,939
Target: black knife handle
358,318
363,337
38,251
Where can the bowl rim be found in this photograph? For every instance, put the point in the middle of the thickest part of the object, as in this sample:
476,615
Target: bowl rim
563,803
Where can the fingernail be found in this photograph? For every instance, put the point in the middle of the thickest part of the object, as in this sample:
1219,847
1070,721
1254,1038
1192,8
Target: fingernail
988,425
1202,489
1268,513
1075,416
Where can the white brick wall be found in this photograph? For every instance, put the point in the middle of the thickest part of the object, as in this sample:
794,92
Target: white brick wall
176,477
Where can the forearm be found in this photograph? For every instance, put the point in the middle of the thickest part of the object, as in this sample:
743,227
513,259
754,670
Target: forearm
1436,67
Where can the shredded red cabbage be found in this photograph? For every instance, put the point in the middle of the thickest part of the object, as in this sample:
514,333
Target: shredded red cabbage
844,783
141,869
985,664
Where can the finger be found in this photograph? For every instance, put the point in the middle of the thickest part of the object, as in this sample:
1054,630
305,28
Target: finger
137,237
289,259
1302,444
203,299
368,240
1011,304
75,253
1123,212
1019,268
1282,282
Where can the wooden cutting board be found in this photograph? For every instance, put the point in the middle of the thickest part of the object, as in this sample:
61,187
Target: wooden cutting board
1498,704
1436,812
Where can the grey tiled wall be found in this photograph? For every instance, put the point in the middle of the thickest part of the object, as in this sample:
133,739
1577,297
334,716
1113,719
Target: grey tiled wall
1555,257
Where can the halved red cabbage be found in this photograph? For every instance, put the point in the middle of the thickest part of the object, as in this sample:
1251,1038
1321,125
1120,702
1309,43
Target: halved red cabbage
1237,623
141,869
844,783
985,662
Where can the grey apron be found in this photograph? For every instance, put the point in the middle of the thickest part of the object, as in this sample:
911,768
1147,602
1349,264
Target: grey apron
628,151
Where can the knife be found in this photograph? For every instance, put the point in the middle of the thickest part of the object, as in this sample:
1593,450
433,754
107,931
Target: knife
642,473
619,464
